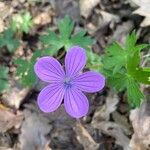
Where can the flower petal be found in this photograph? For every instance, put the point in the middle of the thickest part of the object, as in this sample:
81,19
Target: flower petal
50,98
76,103
90,82
49,69
75,60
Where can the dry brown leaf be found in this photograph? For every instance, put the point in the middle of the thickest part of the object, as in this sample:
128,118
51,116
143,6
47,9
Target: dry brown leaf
34,130
122,121
86,7
5,10
42,19
140,118
15,95
143,10
2,25
87,140
115,131
9,120
5,148
103,113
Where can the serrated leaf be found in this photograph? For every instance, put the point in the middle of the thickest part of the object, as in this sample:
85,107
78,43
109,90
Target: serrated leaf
50,38
81,39
140,74
27,22
135,96
65,39
130,42
21,22
7,39
25,71
94,61
65,27
52,43
118,82
115,57
133,63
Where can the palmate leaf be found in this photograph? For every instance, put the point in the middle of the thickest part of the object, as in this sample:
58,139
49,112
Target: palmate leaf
52,43
94,61
65,27
135,96
142,75
115,57
118,81
81,39
25,69
8,40
65,38
123,71
21,22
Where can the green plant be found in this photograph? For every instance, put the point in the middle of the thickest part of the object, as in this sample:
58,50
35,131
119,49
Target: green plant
52,43
3,78
8,40
121,65
21,22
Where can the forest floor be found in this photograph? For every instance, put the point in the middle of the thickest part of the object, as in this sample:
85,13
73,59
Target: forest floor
110,123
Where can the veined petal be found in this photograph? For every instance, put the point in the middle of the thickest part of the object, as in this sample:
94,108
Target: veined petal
50,98
49,69
75,60
76,103
90,82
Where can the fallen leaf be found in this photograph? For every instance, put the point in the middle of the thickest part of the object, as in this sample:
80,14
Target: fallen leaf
5,148
143,10
140,119
103,113
2,26
15,95
34,130
114,130
9,120
86,6
85,138
42,18
5,10
122,121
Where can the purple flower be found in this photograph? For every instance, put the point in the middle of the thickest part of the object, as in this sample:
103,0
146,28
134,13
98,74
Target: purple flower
68,84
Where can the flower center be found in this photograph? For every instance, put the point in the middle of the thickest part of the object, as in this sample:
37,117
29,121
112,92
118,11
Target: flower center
67,82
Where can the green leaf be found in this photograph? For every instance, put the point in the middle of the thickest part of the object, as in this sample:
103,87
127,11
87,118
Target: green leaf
3,72
53,42
8,39
130,42
121,66
81,39
3,85
21,22
65,27
118,81
135,96
94,61
3,78
27,22
115,57
140,74
133,63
